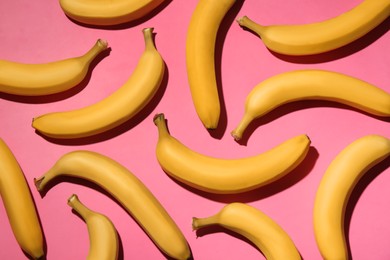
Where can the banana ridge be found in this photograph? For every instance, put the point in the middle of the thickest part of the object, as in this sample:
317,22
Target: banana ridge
106,13
115,109
335,188
217,175
19,204
200,58
312,84
103,237
47,78
128,190
323,36
255,225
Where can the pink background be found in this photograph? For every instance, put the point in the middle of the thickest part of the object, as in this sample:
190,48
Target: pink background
38,31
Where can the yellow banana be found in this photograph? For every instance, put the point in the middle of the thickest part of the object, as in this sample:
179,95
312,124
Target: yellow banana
128,190
200,58
46,78
113,110
312,85
335,188
323,36
104,242
256,226
217,175
19,204
101,12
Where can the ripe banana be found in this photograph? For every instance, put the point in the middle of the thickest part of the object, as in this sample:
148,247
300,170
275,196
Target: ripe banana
335,188
113,110
128,190
46,78
19,204
104,242
217,175
200,58
256,226
102,12
323,36
314,85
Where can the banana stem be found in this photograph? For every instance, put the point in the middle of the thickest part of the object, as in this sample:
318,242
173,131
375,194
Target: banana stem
80,208
148,37
250,24
160,122
198,223
99,46
41,182
239,130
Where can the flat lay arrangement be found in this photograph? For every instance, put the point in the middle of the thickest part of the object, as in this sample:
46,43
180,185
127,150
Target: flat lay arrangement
201,129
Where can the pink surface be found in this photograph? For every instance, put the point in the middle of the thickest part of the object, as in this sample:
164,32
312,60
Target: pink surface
38,31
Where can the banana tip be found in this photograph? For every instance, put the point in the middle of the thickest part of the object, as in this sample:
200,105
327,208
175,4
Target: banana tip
235,135
195,225
103,43
158,117
72,198
37,182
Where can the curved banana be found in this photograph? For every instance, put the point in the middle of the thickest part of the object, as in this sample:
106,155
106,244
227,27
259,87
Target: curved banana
312,85
323,36
256,226
113,110
101,12
335,188
104,242
217,175
19,204
47,78
128,190
200,58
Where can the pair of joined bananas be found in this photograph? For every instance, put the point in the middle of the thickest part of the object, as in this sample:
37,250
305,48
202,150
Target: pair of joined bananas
323,36
103,237
128,190
19,204
113,110
312,85
256,226
47,78
335,188
103,12
200,58
217,175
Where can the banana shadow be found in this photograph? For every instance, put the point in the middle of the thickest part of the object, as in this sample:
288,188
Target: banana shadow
97,188
62,95
118,130
126,25
290,179
294,107
219,46
342,52
357,192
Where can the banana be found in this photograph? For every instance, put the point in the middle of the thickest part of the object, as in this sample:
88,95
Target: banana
113,110
103,13
312,85
217,175
19,204
128,190
256,226
28,79
335,188
200,58
323,36
104,242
